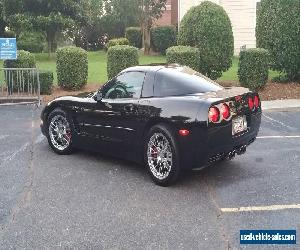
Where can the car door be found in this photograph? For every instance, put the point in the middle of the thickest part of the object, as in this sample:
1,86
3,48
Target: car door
114,119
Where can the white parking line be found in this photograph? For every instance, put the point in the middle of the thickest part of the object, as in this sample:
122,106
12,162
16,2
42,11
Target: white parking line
278,122
278,136
259,208
24,147
12,156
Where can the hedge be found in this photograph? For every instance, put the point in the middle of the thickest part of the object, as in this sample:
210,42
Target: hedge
163,37
46,82
183,55
120,57
117,41
278,31
134,36
253,68
72,67
208,27
25,60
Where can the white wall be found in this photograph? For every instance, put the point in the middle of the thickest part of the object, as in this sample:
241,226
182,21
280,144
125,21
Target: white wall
242,14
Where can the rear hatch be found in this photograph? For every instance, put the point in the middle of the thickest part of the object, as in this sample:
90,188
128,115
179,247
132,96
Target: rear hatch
237,121
235,106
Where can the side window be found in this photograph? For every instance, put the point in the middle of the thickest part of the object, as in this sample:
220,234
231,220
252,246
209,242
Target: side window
127,85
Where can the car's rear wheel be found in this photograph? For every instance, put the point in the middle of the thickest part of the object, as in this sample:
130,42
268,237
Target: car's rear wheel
59,132
161,156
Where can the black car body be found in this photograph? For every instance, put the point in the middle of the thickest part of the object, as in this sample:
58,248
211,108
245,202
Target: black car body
117,119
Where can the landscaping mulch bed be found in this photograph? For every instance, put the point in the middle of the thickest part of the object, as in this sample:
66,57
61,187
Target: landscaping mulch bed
280,91
272,91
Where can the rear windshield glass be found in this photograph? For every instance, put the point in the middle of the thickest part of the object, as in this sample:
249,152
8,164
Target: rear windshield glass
182,81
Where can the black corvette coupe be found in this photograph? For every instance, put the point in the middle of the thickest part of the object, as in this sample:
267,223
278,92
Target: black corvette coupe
171,118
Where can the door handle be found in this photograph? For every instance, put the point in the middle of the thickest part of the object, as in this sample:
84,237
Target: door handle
77,109
129,108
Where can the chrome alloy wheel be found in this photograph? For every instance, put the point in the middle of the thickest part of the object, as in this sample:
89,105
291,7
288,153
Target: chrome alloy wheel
159,154
60,132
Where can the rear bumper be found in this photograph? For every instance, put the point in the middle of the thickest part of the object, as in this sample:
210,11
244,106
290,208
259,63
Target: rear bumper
218,142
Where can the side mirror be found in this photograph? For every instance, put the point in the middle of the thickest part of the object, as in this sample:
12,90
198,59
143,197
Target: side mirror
98,97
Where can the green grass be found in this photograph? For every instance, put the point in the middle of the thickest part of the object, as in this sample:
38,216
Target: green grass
231,74
97,66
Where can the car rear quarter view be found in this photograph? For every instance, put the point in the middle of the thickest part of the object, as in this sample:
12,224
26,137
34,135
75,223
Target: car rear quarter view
169,118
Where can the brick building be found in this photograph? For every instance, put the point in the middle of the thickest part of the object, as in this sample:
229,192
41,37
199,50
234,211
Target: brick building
170,15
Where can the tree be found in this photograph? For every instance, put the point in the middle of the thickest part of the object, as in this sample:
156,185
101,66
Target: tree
19,23
52,25
88,36
2,21
49,16
278,31
123,13
149,11
208,27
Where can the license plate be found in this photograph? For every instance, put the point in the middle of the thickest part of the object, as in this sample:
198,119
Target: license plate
239,124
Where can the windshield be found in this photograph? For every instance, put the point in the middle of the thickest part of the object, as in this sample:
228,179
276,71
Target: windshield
182,81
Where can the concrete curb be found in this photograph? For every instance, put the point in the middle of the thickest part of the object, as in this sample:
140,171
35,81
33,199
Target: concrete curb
19,103
281,104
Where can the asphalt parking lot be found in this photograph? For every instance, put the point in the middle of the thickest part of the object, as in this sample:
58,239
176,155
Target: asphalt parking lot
89,201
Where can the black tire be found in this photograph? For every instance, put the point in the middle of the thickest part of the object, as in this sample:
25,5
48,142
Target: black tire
174,171
55,113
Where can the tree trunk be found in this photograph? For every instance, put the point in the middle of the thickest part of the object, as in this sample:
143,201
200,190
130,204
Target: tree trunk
49,46
146,41
50,36
146,29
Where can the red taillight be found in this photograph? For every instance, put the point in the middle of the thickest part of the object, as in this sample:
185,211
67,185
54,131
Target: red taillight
214,114
250,103
225,111
184,132
256,101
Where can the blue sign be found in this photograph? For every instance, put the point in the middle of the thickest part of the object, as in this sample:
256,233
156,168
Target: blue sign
8,48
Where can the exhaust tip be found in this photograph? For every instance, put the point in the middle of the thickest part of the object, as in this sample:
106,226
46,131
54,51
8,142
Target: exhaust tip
241,150
231,155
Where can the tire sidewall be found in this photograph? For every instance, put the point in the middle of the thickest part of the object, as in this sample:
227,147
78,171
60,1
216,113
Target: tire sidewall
55,112
175,169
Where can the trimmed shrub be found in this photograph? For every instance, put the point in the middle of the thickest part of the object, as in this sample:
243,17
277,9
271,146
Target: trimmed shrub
46,82
253,68
183,55
72,67
117,41
120,57
25,60
134,36
277,30
32,41
163,37
208,27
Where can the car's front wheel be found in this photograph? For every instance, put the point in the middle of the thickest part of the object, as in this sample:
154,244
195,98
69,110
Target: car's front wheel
161,156
59,132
